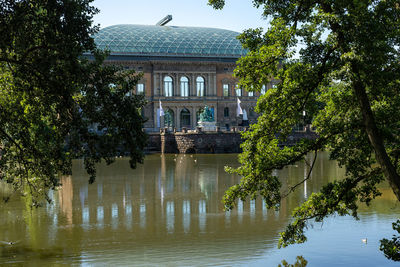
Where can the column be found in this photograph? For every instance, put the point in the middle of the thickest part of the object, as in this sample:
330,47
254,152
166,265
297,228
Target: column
193,117
215,83
178,120
216,114
155,116
193,85
208,91
162,125
161,86
155,84
175,85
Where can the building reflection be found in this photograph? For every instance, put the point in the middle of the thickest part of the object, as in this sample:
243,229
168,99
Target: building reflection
181,194
173,207
65,197
172,194
186,216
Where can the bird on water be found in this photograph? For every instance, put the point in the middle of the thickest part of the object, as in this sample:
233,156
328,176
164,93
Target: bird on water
8,243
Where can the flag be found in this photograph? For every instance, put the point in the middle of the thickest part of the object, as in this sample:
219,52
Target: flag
245,118
158,117
238,109
161,110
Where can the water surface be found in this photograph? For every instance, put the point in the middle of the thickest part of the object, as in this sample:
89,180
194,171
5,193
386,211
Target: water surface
168,212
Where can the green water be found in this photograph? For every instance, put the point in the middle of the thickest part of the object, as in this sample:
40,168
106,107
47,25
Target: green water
168,212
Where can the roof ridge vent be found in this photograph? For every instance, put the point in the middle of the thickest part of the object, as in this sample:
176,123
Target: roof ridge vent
164,20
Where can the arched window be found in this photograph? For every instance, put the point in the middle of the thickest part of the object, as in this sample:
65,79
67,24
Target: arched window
200,86
263,90
184,86
225,89
185,118
168,86
250,93
140,89
226,112
238,91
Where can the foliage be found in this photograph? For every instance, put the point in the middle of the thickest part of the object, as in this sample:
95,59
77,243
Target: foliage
55,104
346,76
391,248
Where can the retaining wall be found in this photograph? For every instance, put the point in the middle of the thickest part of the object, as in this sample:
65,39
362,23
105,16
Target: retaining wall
188,142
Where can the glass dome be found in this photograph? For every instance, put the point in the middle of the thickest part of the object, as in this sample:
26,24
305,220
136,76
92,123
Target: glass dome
128,39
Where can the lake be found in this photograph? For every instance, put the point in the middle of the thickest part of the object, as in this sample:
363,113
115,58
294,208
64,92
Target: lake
168,212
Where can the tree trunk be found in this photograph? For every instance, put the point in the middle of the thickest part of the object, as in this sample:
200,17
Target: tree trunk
374,136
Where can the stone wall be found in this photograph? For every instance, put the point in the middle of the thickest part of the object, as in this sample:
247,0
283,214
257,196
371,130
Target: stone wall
203,142
153,143
200,142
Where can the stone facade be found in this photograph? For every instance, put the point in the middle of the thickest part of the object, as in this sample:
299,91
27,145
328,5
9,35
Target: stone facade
185,109
186,68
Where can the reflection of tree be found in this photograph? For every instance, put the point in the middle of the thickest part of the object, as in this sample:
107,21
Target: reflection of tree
300,262
66,195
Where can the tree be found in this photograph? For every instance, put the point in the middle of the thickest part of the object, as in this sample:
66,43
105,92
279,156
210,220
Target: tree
347,78
55,104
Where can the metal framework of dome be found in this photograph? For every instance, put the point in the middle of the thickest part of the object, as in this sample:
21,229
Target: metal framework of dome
128,39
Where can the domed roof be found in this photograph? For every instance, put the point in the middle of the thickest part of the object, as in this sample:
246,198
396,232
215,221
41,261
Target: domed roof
149,40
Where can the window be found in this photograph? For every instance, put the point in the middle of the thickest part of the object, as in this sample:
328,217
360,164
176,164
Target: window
263,90
238,91
226,112
168,86
185,118
140,89
184,86
250,93
200,86
225,88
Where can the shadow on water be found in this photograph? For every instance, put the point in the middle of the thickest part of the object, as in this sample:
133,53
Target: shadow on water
19,253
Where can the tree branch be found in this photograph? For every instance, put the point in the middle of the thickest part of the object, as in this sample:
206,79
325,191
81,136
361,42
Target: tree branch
292,188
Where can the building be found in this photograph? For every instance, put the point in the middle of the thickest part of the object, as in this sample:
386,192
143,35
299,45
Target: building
185,68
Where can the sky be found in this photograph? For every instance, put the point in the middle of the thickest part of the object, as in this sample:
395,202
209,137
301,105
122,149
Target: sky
237,15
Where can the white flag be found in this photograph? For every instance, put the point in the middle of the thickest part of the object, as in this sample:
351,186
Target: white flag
161,110
238,109
245,118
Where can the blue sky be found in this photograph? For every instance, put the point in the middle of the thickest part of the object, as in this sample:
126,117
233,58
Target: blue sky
237,15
